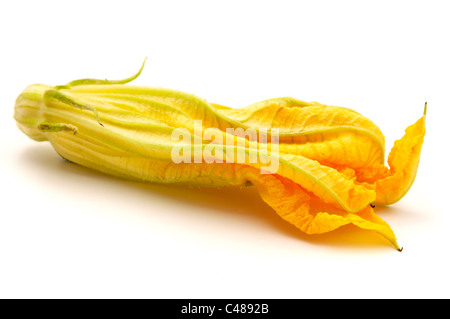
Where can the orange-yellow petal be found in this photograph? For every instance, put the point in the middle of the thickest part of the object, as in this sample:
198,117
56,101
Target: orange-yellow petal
311,215
393,183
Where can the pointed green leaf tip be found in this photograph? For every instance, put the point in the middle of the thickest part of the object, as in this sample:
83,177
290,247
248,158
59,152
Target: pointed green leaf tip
104,82
425,109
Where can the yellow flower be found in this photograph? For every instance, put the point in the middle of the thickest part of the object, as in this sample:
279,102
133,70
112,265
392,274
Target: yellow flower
319,167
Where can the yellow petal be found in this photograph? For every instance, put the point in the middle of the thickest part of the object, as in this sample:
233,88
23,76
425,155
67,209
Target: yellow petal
393,183
328,134
310,214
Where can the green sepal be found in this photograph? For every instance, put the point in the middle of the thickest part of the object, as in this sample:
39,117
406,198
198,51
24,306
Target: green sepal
57,127
55,94
101,82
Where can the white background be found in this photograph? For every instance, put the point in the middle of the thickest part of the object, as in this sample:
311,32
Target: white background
68,232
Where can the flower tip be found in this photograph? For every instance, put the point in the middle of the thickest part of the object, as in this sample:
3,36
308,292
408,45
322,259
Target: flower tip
395,244
142,67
